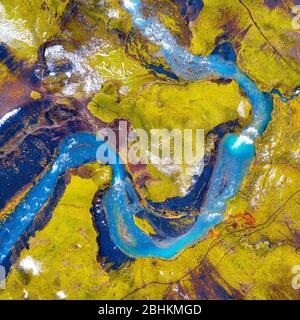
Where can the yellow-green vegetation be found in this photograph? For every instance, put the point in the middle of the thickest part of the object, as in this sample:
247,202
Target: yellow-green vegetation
265,41
101,19
167,12
121,69
35,95
99,174
249,255
144,225
3,74
260,259
28,24
70,242
198,105
160,105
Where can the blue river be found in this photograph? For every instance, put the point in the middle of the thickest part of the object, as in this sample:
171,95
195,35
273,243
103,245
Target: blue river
120,201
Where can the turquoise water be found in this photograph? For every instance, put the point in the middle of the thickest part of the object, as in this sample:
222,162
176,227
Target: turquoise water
121,200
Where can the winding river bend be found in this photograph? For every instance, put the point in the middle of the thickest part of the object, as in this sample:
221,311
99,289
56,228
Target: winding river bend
120,201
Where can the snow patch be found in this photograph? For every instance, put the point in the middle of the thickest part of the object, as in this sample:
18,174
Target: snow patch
8,115
30,265
12,30
61,295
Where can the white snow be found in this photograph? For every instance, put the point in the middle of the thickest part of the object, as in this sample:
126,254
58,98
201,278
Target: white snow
12,30
30,265
61,295
113,13
8,115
